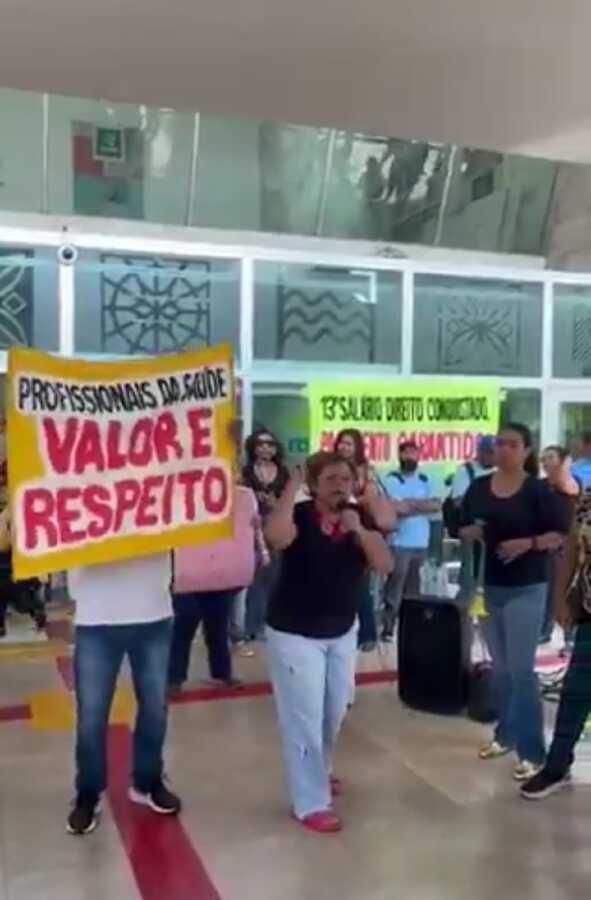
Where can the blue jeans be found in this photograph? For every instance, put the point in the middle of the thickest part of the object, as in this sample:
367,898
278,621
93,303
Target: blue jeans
98,654
214,609
312,687
257,598
368,629
512,631
404,581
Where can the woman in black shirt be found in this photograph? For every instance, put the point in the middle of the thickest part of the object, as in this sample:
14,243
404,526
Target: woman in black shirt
371,497
266,474
520,521
327,547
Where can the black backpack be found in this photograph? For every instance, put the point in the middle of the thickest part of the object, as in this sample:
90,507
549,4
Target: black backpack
451,510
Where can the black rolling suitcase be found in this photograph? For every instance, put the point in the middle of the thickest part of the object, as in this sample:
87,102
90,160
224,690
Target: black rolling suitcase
434,655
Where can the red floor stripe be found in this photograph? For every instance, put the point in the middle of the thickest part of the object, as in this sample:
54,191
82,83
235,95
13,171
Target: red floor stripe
165,864
19,713
22,712
263,689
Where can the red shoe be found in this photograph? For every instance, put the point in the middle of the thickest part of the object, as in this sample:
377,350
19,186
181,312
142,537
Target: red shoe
336,786
322,822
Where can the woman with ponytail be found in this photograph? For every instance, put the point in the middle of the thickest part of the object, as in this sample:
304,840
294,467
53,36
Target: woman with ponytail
520,521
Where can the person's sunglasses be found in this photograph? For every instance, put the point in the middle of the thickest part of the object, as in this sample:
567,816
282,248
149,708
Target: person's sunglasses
265,443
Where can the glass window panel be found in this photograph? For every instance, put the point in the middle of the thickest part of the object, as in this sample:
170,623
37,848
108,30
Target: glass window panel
29,298
381,188
287,416
572,331
575,421
148,305
523,405
477,326
292,169
21,150
319,313
119,160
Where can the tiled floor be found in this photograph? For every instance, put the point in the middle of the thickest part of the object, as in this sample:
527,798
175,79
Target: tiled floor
425,820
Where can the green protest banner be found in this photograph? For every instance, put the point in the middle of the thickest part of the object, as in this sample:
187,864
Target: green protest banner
444,418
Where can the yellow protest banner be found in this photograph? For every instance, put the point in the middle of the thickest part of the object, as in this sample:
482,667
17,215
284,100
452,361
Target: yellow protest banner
444,418
111,460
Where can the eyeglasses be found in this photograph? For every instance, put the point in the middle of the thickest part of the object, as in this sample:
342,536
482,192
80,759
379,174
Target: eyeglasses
266,443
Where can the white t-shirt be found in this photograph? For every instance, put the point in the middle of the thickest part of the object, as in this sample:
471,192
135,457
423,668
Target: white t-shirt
133,592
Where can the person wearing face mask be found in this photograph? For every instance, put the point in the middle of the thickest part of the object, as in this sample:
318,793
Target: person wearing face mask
328,544
411,490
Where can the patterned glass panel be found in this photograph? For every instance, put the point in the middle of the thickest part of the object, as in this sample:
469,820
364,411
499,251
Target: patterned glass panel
28,298
128,305
572,331
477,326
327,314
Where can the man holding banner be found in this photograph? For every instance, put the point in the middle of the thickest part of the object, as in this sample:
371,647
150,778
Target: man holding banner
110,467
122,608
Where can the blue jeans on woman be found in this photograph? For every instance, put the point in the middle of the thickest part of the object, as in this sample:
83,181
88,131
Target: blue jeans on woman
312,681
213,609
368,629
98,654
257,598
512,632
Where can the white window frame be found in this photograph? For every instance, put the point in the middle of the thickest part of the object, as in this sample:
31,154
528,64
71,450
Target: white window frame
283,374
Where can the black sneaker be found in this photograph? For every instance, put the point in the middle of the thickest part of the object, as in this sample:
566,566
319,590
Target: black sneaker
84,816
160,799
543,785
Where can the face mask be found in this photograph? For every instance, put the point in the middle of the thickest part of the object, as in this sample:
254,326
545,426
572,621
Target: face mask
408,465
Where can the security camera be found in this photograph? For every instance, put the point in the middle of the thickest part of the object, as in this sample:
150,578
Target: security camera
67,254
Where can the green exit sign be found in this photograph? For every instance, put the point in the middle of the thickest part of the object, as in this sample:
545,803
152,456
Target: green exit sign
109,144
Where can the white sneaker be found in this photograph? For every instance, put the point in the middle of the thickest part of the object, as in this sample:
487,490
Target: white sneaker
493,751
524,770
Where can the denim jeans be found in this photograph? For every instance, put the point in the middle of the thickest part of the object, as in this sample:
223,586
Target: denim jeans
404,581
257,598
512,632
98,654
575,704
238,617
213,608
368,631
312,687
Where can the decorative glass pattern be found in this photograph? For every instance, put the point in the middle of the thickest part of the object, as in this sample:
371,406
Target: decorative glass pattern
144,305
154,306
477,326
572,331
326,314
306,317
16,298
